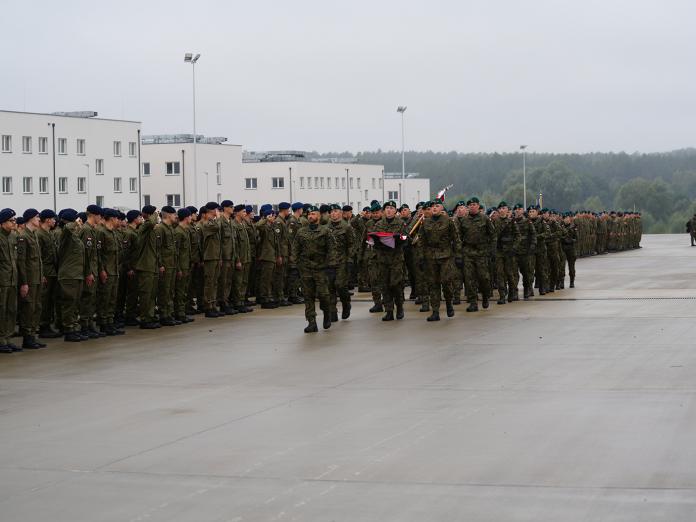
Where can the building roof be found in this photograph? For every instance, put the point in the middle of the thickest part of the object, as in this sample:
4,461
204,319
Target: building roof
86,115
159,139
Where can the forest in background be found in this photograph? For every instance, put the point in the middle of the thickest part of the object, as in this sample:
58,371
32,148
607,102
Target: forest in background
660,185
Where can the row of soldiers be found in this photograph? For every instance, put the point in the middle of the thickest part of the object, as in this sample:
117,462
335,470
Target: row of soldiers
84,275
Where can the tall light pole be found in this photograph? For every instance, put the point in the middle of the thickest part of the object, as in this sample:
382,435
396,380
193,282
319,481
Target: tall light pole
189,58
402,110
523,148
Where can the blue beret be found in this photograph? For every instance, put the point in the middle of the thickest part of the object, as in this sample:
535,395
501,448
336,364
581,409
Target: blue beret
192,209
267,211
20,220
212,205
183,213
132,215
6,214
94,209
227,203
30,213
283,205
149,209
249,209
324,208
296,206
239,208
168,210
47,213
266,206
203,210
110,213
68,214
366,209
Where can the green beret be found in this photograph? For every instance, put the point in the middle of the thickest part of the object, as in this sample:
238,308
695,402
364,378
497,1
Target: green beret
502,204
473,200
389,203
427,204
334,206
375,206
312,208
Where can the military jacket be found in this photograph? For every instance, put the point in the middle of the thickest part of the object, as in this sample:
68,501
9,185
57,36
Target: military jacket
49,252
147,259
182,240
29,270
227,240
395,226
71,253
88,234
109,250
314,248
439,238
528,237
478,235
268,248
508,237
211,244
129,248
8,259
345,240
243,245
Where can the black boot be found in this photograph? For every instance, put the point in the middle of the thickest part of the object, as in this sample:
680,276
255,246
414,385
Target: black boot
572,282
28,343
484,303
399,311
48,333
334,317
376,309
311,327
473,307
435,316
389,316
425,307
450,309
457,300
327,320
501,300
419,300
5,349
72,337
345,314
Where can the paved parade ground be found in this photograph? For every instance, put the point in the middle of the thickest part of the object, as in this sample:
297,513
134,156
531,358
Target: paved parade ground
578,406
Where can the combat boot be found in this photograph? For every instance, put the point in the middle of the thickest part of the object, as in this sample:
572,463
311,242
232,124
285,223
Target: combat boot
29,343
399,311
48,333
345,314
450,309
376,309
572,282
334,317
473,307
327,320
425,307
5,349
72,337
457,300
561,286
311,327
435,316
484,302
15,348
389,316
501,300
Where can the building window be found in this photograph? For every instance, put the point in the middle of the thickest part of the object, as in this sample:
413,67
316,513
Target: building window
336,182
380,183
100,201
80,147
131,149
173,168
278,183
62,146
6,143
81,185
133,184
343,183
6,185
374,183
321,182
393,194
316,181
117,184
27,185
146,199
26,144
301,182
359,183
250,183
62,185
117,148
328,183
219,198
218,172
146,169
351,182
43,185
43,145
99,167
174,200
365,195
309,182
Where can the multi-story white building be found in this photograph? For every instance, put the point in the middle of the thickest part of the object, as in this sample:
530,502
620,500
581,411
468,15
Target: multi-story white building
169,177
68,160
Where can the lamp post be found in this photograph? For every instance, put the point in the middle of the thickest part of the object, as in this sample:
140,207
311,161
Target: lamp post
87,180
402,110
523,148
190,58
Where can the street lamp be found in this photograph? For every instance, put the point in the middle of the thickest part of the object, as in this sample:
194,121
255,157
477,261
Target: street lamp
402,110
189,58
523,148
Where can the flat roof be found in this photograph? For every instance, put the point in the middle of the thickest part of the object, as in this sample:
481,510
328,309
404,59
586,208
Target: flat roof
70,117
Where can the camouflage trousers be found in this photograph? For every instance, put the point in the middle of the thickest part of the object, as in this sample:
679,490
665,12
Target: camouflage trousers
374,276
315,285
390,280
478,277
338,288
570,258
541,269
506,275
526,262
440,274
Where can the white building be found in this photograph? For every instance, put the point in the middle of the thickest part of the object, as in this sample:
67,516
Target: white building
168,176
68,160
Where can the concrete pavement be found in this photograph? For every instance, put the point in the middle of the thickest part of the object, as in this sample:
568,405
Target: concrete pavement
579,406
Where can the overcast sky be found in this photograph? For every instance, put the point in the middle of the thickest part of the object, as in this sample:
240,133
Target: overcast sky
476,75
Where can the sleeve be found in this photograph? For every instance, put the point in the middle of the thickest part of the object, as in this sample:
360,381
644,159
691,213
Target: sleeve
22,277
456,239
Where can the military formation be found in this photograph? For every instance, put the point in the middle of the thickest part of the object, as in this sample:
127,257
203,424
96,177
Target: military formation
87,275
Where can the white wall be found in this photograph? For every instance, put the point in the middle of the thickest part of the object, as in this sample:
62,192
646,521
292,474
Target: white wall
99,135
208,187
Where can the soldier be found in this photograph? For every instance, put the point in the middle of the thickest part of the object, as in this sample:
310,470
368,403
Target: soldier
253,243
280,273
240,277
147,266
442,250
109,261
88,300
49,261
552,250
195,291
182,242
478,243
459,212
568,244
8,280
211,251
353,221
164,232
508,244
370,259
127,279
345,247
267,256
419,262
314,253
71,273
389,261
541,265
526,251
359,225
294,223
30,279
228,258
404,213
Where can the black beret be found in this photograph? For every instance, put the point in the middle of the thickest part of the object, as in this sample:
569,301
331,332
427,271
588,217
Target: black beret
149,209
239,208
82,216
30,213
306,206
20,220
249,209
183,213
212,205
121,215
132,215
203,210
333,206
168,210
226,203
94,209
347,208
366,209
323,208
283,205
68,214
110,213
6,214
192,209
47,213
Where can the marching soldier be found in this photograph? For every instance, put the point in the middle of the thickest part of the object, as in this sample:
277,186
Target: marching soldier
478,242
345,247
508,244
541,265
568,244
294,223
389,262
526,251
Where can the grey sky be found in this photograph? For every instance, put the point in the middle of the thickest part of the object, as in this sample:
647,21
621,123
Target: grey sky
563,76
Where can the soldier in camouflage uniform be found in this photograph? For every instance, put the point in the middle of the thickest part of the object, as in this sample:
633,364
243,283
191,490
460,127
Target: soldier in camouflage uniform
478,243
360,225
182,241
526,252
442,250
293,279
109,261
552,246
147,265
30,279
568,242
314,252
370,259
345,248
49,260
541,264
508,245
164,232
280,274
71,273
240,277
8,280
129,250
210,255
389,262
267,256
228,253
88,301
419,261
